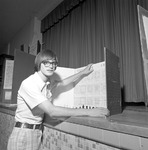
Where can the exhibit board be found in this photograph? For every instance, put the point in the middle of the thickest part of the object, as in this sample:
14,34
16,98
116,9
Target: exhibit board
6,74
113,88
89,92
23,67
101,88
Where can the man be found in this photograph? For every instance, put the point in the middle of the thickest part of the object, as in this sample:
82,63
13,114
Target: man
32,103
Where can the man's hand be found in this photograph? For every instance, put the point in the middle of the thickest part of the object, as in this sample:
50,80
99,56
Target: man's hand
88,69
99,112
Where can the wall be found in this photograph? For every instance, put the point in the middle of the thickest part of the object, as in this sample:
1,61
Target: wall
30,33
22,37
27,36
57,140
6,125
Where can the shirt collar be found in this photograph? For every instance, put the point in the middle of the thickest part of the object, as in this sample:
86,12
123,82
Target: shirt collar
40,81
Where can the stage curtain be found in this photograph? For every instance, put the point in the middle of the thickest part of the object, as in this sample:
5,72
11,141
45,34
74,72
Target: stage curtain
78,31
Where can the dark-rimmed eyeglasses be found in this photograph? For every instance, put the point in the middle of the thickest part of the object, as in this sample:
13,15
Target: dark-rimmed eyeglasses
50,63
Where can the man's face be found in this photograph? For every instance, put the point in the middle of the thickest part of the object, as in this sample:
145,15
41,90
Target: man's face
48,67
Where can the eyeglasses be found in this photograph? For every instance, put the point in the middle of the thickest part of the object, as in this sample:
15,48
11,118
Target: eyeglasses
49,63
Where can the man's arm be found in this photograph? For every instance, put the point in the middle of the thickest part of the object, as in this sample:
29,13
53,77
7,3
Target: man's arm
76,77
56,111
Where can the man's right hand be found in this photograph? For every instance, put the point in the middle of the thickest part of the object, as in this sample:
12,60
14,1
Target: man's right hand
99,112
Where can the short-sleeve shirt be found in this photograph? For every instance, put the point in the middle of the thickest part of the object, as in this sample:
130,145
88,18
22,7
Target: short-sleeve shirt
30,94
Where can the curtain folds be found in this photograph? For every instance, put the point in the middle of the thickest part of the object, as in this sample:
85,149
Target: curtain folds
78,31
59,13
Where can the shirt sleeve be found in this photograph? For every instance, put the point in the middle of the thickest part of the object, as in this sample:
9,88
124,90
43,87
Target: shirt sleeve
31,94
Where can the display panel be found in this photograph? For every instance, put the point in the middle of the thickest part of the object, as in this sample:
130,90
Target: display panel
101,88
23,67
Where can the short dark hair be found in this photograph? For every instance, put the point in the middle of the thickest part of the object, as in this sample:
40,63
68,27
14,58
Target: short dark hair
43,56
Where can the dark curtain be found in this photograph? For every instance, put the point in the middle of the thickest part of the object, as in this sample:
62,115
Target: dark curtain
78,30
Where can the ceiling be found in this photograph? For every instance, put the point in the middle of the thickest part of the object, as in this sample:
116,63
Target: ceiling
14,14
